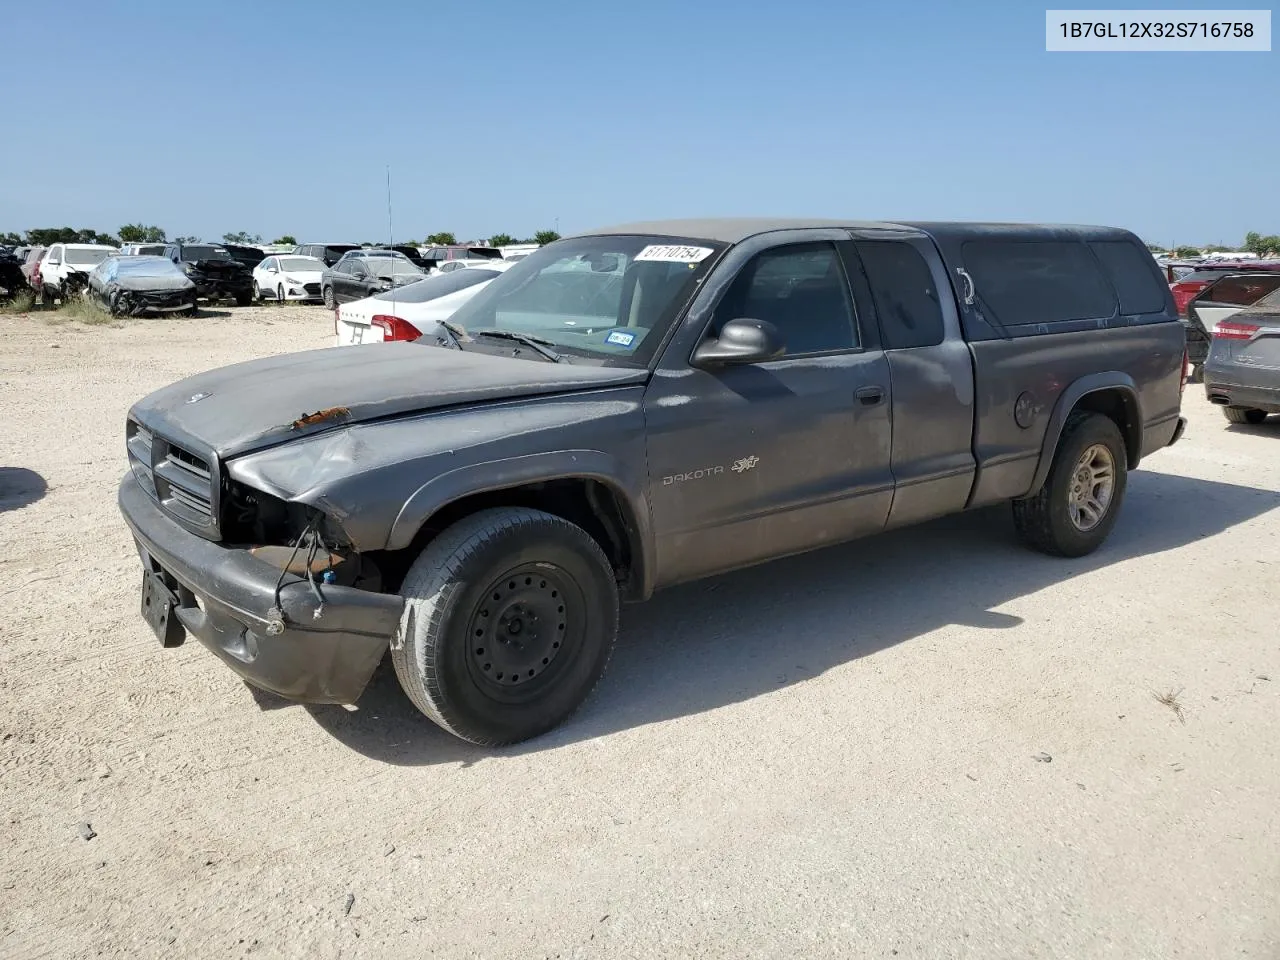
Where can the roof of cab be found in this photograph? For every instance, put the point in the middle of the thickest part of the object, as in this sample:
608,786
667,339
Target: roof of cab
737,229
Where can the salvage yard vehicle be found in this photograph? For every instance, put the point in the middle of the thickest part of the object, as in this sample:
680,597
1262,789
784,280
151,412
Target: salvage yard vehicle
407,313
1220,299
629,409
216,274
64,268
1242,373
138,285
362,273
288,278
330,253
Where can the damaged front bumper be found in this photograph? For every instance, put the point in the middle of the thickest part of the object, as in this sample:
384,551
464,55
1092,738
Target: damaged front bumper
225,597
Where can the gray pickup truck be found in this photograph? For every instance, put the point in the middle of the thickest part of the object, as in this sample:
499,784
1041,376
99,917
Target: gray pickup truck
629,409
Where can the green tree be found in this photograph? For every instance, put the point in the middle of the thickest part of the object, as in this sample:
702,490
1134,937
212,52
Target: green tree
241,237
139,233
1255,242
501,240
1186,252
444,238
286,239
1156,248
545,236
11,239
44,236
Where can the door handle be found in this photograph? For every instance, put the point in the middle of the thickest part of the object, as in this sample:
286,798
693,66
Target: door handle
870,396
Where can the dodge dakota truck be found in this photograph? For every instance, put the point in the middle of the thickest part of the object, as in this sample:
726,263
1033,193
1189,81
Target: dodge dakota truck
628,409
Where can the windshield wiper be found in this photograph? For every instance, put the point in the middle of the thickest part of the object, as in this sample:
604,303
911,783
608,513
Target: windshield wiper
537,343
455,332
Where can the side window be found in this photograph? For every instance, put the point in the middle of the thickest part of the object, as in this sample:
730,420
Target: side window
1024,282
1130,271
801,289
55,254
1240,291
342,266
904,293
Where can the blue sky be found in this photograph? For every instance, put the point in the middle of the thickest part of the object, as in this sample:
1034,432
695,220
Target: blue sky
281,117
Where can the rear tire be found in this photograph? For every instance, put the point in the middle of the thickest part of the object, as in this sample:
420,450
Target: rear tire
1244,415
1071,515
510,617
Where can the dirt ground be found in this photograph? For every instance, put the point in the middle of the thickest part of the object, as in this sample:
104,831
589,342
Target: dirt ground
930,744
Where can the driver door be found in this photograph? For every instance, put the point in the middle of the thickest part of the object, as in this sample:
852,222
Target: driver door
758,461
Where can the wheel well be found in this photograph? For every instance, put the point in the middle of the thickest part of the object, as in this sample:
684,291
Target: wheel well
1122,407
594,506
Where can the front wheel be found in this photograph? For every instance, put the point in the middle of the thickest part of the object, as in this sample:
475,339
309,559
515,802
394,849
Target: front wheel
1244,415
1076,508
510,617
257,291
280,294
326,294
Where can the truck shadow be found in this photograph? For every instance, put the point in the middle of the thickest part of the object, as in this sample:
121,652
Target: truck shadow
708,644
20,487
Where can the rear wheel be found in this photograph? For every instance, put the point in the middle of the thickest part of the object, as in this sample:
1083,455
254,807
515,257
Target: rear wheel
1076,508
510,617
1244,415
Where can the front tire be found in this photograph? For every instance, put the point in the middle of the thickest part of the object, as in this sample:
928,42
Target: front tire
280,294
510,617
1074,511
326,294
1244,415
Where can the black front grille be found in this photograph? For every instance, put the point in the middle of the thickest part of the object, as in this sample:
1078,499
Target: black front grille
312,288
182,482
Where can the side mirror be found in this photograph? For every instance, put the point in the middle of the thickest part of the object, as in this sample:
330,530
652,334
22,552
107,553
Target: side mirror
741,341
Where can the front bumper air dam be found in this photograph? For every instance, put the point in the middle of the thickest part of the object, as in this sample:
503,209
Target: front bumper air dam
228,598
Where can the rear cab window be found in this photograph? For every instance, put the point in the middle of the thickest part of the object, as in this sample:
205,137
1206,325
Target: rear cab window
904,294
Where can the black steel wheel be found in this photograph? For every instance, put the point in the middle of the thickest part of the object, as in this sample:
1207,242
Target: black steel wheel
510,618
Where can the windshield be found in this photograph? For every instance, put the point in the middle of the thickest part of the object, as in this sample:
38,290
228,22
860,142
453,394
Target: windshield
301,264
484,253
388,267
439,285
87,257
607,298
205,253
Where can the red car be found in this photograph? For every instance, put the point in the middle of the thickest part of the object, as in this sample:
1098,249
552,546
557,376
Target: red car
1185,288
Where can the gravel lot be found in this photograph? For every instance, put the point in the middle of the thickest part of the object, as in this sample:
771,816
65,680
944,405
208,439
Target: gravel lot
841,754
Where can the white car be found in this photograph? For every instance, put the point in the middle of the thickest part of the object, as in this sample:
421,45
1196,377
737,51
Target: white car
64,261
287,277
405,313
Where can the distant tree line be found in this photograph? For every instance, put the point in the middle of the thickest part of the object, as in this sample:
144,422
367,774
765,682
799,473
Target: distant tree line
446,238
145,233
1254,242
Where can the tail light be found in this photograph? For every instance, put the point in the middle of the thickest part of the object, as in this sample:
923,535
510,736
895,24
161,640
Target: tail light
394,328
1184,291
1235,330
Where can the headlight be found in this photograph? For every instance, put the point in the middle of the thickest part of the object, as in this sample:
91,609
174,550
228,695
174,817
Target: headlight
186,267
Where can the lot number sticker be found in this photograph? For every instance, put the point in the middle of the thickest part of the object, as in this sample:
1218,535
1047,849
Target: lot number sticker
620,338
673,253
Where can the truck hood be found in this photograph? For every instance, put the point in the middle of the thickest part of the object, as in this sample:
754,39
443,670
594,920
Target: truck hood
248,406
